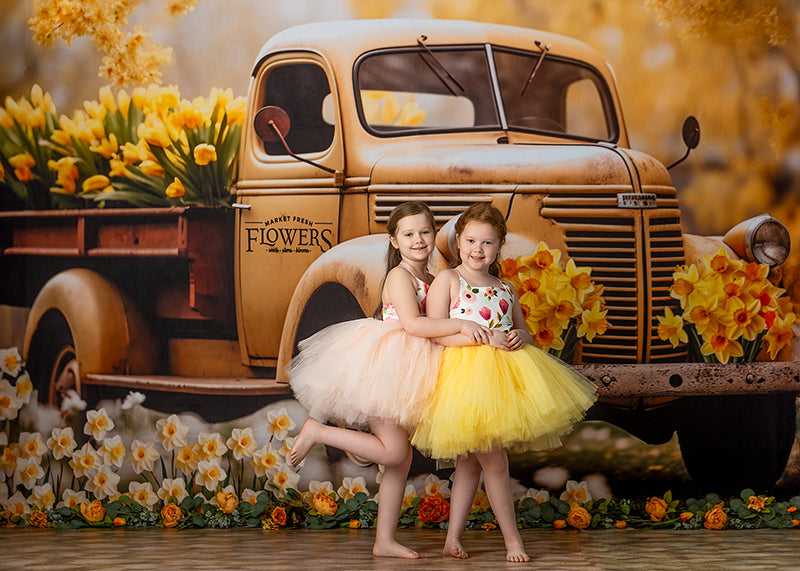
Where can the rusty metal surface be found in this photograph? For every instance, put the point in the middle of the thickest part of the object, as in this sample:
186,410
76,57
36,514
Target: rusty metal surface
192,385
687,379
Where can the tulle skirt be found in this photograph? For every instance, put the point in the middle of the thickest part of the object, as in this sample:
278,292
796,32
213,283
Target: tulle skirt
487,398
353,370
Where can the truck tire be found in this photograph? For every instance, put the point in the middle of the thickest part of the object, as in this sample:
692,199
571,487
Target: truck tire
330,303
730,443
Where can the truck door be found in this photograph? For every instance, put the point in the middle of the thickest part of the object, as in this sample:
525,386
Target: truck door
293,213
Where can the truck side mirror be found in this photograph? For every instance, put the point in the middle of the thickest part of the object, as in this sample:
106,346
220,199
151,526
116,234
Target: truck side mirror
271,124
691,137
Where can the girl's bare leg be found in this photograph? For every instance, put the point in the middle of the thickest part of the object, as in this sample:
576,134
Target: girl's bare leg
370,446
498,489
392,489
465,483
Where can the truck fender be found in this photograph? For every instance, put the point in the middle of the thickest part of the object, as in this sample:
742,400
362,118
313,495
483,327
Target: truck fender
356,266
108,332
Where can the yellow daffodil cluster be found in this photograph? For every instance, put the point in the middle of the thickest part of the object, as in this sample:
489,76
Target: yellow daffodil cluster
149,148
383,108
559,303
728,308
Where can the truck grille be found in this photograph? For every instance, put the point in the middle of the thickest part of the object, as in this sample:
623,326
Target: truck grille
624,248
444,206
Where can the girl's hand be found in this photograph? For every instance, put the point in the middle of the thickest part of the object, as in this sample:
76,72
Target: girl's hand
474,331
498,340
515,340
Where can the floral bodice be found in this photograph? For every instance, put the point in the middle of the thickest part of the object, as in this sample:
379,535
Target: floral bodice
489,305
388,311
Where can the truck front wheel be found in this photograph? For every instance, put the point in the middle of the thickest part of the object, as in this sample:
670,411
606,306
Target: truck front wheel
730,443
53,361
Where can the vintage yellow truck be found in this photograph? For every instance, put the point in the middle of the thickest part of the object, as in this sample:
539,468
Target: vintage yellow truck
345,121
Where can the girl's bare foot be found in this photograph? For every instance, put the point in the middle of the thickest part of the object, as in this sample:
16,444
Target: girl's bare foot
304,442
515,552
454,548
393,549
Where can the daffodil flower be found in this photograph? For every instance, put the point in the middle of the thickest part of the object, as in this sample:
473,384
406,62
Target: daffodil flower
671,328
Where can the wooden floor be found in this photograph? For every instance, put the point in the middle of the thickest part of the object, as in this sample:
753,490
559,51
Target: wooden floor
240,549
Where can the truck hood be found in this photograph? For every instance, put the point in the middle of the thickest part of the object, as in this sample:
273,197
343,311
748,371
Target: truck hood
559,164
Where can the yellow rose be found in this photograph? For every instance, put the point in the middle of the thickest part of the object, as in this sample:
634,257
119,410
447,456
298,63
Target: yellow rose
204,154
227,501
93,512
578,517
324,504
278,516
171,515
716,518
175,189
656,508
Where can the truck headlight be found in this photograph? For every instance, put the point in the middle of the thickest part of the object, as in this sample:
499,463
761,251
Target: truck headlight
761,239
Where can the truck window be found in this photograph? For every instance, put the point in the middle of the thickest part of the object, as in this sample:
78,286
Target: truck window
300,90
564,97
405,91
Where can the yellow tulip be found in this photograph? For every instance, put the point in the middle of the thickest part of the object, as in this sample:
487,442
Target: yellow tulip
106,147
124,102
61,137
204,154
22,163
37,95
67,173
2,171
107,99
118,167
96,182
95,110
6,120
236,111
154,132
175,189
151,168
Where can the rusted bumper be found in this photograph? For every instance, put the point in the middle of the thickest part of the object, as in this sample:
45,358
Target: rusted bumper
688,379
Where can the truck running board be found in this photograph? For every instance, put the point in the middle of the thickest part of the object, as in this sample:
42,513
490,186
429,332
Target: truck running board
242,386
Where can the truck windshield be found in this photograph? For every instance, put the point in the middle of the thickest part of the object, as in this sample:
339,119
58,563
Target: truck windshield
407,91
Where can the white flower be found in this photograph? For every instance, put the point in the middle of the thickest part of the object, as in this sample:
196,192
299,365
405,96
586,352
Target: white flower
31,445
381,472
70,498
8,458
278,423
210,446
326,487
142,493
351,486
172,488
250,496
576,492
286,449
113,451
24,388
434,485
83,460
17,504
540,496
265,460
42,496
10,361
283,478
102,482
143,455
97,424
28,470
209,474
72,403
62,442
132,399
242,443
171,432
186,459
409,494
9,402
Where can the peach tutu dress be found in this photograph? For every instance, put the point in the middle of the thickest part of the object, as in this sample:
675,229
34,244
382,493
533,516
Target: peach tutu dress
354,370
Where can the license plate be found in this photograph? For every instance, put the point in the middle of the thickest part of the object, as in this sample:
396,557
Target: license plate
636,200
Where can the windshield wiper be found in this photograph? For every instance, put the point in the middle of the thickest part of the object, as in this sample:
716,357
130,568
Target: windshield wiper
421,41
545,48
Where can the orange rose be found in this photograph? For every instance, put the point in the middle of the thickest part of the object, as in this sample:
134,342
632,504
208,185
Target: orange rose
559,524
686,516
38,519
756,503
716,518
118,522
324,504
171,515
227,501
354,524
578,517
93,512
278,516
620,524
433,509
656,509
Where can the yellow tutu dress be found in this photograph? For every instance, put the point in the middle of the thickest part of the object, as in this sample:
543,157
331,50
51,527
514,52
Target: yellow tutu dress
487,398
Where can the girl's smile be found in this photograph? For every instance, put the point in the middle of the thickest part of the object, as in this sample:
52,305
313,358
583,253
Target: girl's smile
415,238
478,246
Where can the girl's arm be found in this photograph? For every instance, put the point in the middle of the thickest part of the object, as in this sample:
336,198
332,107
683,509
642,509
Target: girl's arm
441,294
400,290
519,336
